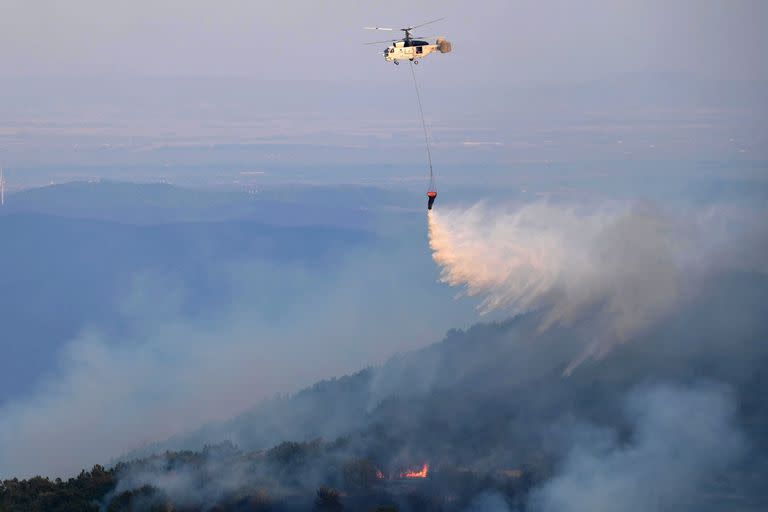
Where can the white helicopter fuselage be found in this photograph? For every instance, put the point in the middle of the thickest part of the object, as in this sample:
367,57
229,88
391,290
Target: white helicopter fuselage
399,51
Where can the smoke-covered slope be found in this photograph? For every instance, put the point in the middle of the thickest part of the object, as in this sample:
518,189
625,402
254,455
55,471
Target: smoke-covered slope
495,397
674,419
635,360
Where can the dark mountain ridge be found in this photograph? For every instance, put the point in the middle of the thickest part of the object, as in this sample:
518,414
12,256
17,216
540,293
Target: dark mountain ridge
486,408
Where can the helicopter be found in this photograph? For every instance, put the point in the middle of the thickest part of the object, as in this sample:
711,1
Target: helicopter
411,47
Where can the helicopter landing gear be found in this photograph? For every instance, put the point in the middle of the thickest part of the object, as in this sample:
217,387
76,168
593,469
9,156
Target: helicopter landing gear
397,63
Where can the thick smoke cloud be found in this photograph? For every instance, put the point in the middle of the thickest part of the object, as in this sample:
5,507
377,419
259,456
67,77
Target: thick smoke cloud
278,331
622,267
200,484
489,502
681,438
637,430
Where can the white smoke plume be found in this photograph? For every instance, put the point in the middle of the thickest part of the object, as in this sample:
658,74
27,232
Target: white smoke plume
683,440
488,502
621,267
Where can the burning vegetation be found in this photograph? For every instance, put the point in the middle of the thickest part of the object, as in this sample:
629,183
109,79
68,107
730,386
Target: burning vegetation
421,473
221,477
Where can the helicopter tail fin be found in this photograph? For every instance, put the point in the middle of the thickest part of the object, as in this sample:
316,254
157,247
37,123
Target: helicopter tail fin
443,45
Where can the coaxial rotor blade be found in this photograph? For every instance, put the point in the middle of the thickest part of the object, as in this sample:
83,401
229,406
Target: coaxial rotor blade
387,41
427,23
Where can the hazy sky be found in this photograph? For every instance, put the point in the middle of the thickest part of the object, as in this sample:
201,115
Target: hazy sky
504,39
89,85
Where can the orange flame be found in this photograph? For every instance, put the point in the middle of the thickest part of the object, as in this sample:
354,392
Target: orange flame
417,474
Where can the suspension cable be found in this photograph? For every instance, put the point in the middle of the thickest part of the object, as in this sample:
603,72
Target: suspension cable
424,125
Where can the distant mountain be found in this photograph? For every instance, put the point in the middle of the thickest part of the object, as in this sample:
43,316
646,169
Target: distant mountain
59,274
154,203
